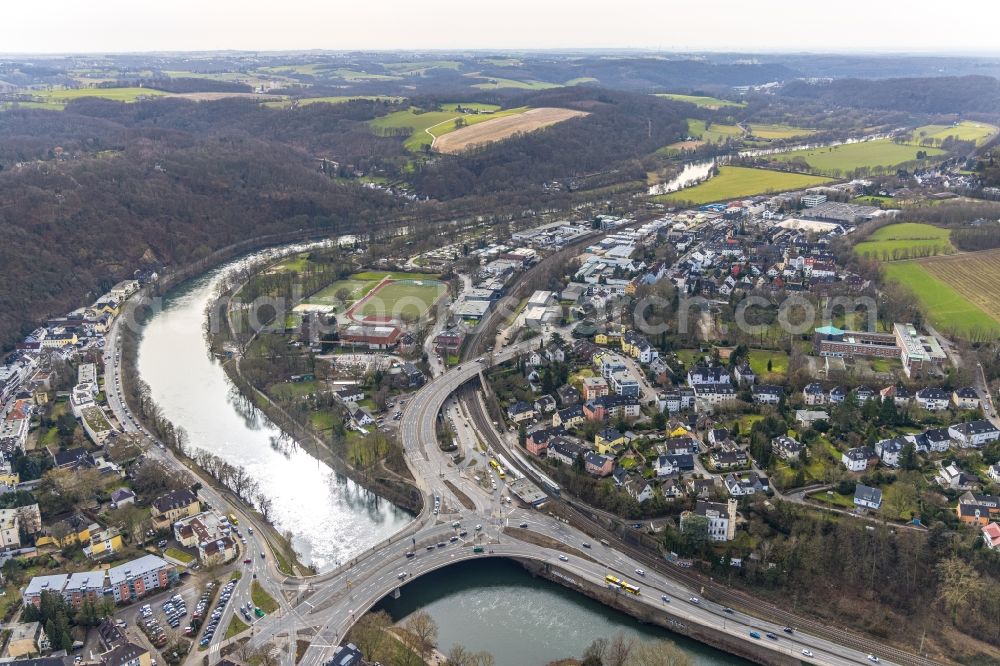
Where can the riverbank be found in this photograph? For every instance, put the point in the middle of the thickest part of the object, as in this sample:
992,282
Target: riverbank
396,490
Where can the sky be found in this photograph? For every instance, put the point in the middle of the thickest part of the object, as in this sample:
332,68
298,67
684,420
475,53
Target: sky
76,26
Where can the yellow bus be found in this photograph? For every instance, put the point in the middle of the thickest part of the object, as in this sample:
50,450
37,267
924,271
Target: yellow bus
613,580
628,587
232,519
495,465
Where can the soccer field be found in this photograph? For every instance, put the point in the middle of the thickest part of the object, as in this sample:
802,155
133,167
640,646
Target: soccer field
402,299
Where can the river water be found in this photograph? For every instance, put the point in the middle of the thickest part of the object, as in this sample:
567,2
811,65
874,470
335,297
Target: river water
331,517
494,606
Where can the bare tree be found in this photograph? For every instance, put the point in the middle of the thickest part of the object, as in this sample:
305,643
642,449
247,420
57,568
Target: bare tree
424,630
618,649
657,653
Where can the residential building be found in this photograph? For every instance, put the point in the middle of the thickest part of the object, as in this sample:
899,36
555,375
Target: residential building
721,518
965,398
856,459
739,485
609,440
704,374
890,450
122,497
564,450
744,375
127,654
787,447
867,497
137,578
932,398
521,411
766,394
639,489
974,433
568,395
938,439
594,387
598,465
807,417
813,394
715,394
173,506
991,535
10,529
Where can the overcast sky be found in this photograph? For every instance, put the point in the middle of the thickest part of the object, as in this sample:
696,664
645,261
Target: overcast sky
66,26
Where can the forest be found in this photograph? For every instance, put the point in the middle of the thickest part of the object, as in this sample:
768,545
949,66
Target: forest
941,94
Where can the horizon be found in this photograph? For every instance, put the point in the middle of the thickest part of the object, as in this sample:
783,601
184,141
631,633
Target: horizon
767,26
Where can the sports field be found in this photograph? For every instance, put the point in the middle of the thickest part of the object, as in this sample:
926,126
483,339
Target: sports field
947,308
966,130
906,240
497,128
837,160
352,289
401,299
734,182
702,101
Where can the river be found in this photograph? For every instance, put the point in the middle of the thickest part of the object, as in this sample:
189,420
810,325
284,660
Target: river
484,606
521,620
331,517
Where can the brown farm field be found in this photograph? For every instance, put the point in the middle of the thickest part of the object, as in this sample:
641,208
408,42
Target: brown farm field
974,275
502,128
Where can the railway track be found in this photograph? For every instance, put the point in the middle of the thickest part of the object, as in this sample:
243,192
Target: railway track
581,517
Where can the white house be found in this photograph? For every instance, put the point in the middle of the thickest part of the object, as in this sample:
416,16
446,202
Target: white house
965,398
869,498
974,433
856,459
889,451
933,399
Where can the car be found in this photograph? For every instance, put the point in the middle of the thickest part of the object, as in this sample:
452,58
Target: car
807,653
258,612
772,636
262,556
665,599
788,630
872,658
640,572
463,533
523,525
441,544
479,528
402,575
727,609
453,539
247,561
162,543
430,547
755,634
586,544
695,600
410,553
563,558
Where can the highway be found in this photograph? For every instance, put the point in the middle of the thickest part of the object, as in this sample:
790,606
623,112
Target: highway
261,569
323,607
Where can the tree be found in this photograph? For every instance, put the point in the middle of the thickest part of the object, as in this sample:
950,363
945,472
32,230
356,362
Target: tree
770,365
908,456
424,630
371,635
618,650
594,654
657,653
960,584
579,466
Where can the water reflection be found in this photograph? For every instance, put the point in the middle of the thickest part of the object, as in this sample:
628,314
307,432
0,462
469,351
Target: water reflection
331,518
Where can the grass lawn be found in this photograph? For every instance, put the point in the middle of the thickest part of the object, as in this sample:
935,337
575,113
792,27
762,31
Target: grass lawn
403,298
734,182
335,99
766,131
905,240
261,599
322,420
179,555
946,308
760,357
356,290
966,130
689,356
581,80
492,83
470,106
398,275
874,201
714,133
425,127
298,263
835,499
292,390
115,94
702,101
836,160
236,626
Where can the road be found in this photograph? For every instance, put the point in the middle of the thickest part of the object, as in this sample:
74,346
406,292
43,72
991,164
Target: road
262,569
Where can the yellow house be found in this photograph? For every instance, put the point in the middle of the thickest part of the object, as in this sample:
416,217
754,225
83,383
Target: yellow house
73,530
609,441
103,543
631,287
679,431
168,509
601,338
